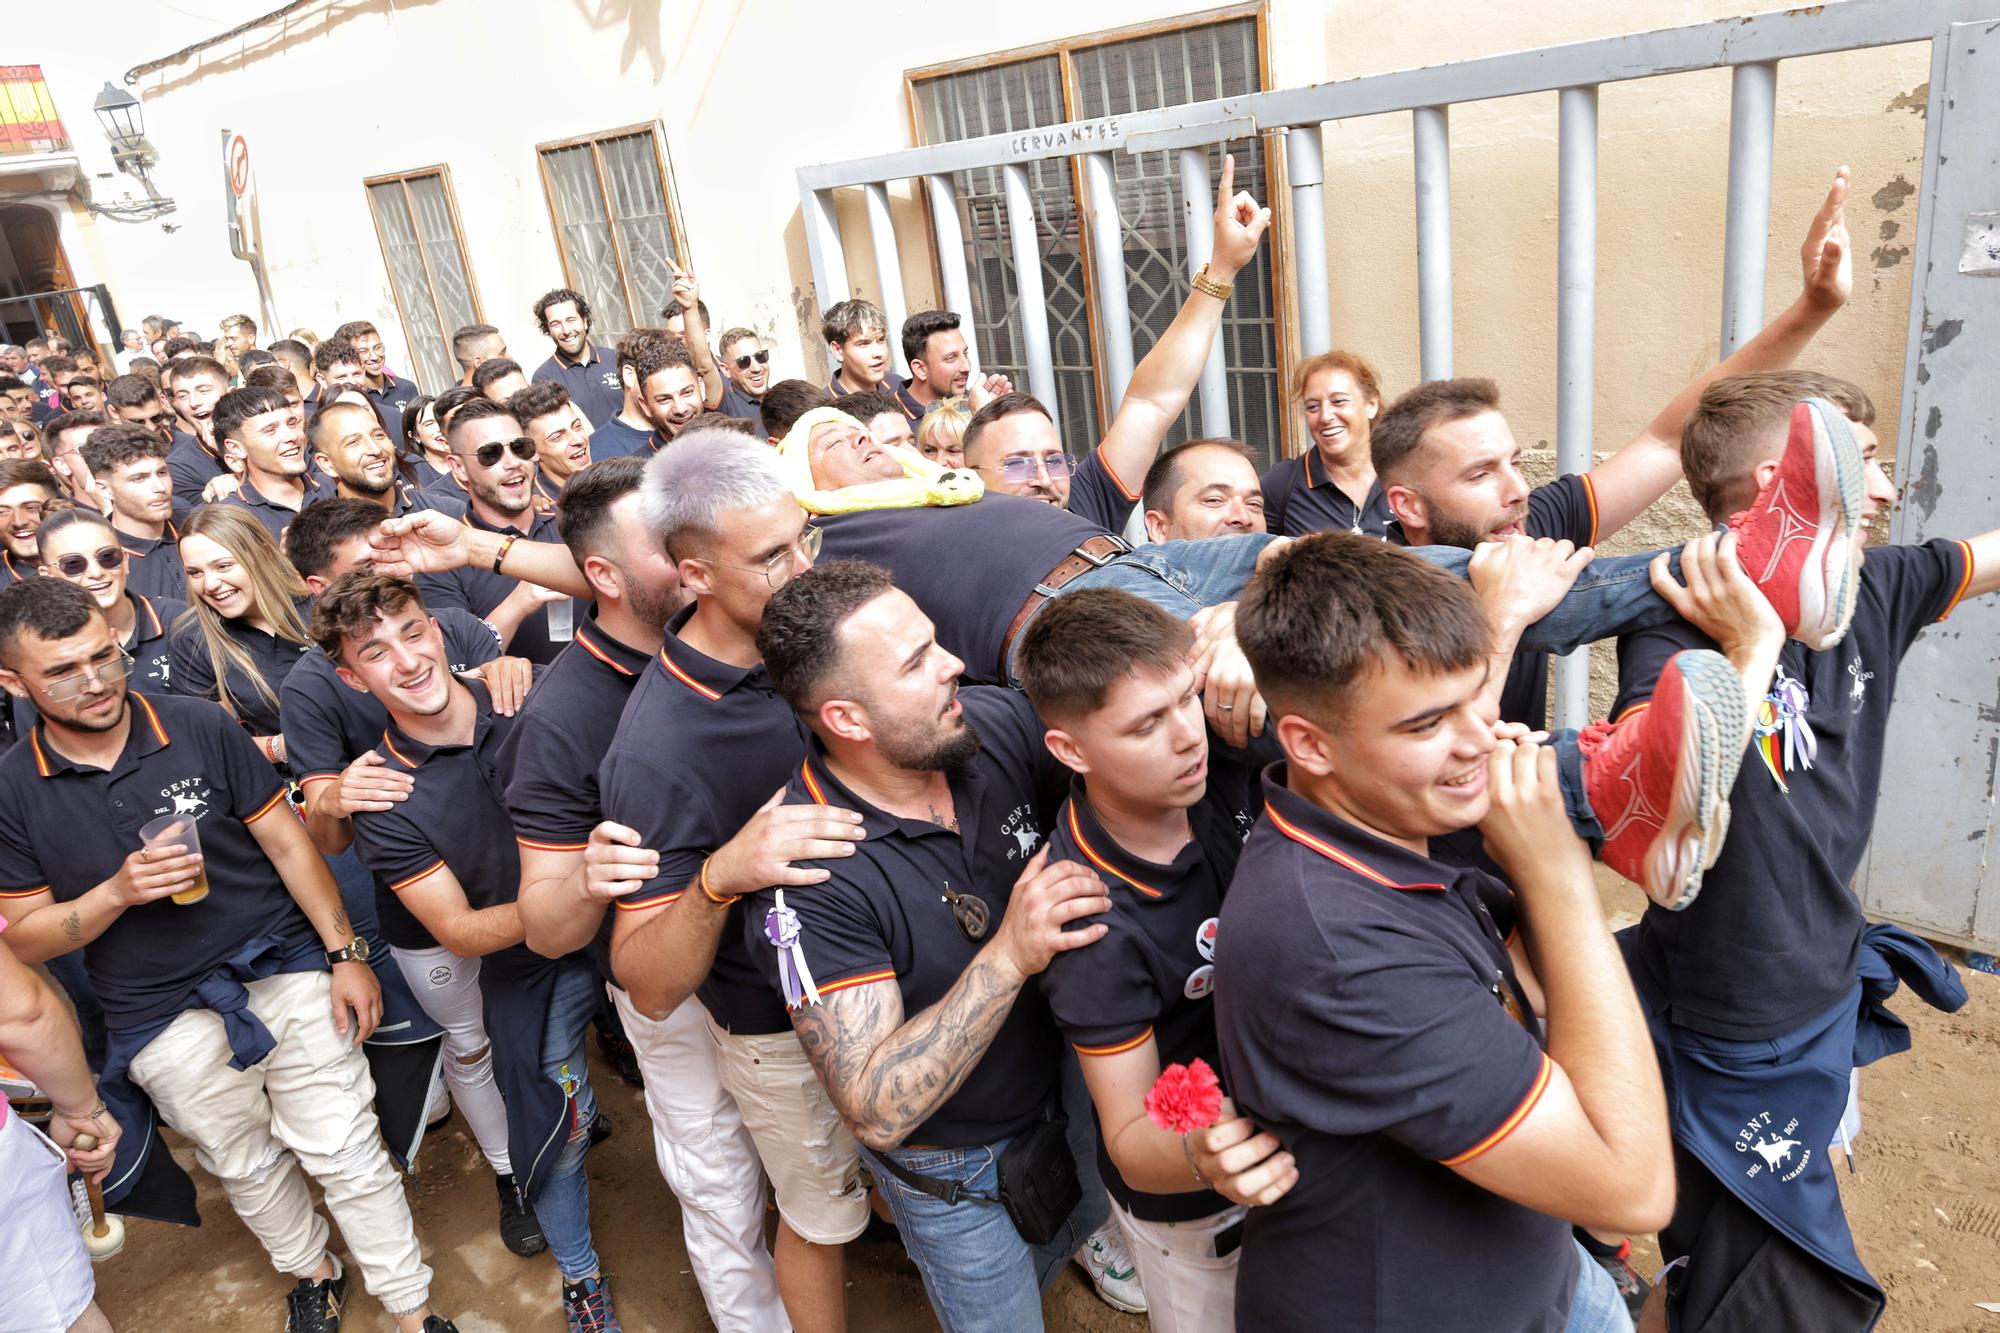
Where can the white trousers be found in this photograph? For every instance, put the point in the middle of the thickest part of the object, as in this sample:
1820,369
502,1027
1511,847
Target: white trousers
1188,1289
45,1280
711,1165
310,1102
447,988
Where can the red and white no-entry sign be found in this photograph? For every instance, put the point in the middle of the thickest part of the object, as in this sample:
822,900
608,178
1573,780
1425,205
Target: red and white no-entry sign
238,158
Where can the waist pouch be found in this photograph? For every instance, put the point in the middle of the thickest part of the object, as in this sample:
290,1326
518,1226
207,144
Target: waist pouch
1037,1181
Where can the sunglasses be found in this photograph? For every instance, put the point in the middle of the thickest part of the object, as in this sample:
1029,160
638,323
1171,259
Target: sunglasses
65,688
76,565
970,911
762,358
523,448
155,419
1022,470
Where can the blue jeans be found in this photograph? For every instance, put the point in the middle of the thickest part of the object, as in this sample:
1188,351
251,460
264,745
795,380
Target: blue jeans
1597,1307
562,1205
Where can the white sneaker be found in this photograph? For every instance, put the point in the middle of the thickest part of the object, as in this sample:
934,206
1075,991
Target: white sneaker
1112,1270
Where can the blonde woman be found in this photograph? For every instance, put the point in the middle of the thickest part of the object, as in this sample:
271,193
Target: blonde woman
242,632
941,433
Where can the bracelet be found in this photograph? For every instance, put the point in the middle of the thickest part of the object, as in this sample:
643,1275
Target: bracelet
709,893
506,545
1187,1151
1219,290
91,1114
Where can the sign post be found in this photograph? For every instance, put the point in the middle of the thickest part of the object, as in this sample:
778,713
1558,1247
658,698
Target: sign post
240,211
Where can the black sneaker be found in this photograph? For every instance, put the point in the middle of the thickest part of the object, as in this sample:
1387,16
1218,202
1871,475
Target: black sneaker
519,1231
616,1048
600,1129
314,1307
439,1324
1617,1261
587,1306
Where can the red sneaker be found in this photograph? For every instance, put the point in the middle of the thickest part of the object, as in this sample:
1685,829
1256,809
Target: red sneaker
1659,779
1797,541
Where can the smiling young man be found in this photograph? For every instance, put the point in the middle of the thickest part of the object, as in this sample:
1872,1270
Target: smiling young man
389,394
195,385
561,432
1204,488
746,364
1161,815
448,849
269,944
264,431
940,362
588,371
857,333
27,489
135,400
496,465
350,445
129,467
1758,1058
662,394
1370,1009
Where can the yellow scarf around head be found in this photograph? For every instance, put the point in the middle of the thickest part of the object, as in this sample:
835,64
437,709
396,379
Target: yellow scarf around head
923,484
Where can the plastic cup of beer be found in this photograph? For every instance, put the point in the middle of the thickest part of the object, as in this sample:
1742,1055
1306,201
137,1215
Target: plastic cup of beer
177,834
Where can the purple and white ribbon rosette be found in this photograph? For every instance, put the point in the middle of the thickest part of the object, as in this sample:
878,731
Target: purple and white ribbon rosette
781,927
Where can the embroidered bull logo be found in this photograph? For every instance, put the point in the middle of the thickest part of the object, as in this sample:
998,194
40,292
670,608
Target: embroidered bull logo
188,805
1775,1151
1027,838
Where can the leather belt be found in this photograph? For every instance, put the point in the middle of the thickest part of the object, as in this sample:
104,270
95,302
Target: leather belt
1093,554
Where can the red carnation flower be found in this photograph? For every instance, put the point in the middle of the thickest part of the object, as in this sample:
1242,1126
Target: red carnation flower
1185,1098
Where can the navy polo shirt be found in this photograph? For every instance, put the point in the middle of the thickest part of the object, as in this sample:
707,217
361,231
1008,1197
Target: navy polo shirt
480,590
700,747
1300,497
1099,494
736,403
14,571
390,400
912,409
970,567
329,724
892,385
446,496
1778,896
614,439
68,829
882,915
429,474
274,656
274,516
592,382
150,646
1152,975
1563,510
192,465
562,734
1370,1017
153,565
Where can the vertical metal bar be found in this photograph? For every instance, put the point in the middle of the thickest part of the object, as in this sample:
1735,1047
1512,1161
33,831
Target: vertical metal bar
1306,165
1107,243
1576,338
1197,214
1033,305
888,268
829,261
1753,104
1432,131
951,260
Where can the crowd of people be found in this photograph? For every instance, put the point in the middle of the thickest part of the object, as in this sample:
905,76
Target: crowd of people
874,771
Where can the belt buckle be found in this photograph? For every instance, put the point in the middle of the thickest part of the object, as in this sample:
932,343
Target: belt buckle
1118,548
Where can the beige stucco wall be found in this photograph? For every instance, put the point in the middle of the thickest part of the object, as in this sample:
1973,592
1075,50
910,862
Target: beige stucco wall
745,92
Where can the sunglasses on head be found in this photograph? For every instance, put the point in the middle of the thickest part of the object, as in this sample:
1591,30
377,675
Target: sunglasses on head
486,455
762,358
76,565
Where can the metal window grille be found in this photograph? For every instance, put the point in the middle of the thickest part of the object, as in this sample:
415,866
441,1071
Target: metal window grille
1140,74
615,225
418,228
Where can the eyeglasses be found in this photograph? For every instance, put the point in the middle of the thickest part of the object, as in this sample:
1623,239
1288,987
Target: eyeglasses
970,911
65,688
762,358
523,448
1023,469
76,564
777,571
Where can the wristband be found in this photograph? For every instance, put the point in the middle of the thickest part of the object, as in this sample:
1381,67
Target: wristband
1187,1151
506,545
709,893
81,1115
1219,290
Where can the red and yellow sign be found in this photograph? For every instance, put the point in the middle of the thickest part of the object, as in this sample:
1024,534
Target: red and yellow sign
28,120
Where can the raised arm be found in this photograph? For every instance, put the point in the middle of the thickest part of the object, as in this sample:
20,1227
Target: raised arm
1161,383
1644,470
687,294
427,542
887,1074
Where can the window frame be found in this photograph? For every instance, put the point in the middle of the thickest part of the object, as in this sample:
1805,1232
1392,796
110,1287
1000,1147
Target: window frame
442,171
1283,303
595,142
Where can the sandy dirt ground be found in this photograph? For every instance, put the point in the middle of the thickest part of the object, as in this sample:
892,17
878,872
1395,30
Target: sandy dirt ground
1924,1199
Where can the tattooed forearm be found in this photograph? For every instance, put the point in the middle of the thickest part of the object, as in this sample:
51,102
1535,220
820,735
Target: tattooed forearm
888,1075
340,921
72,926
